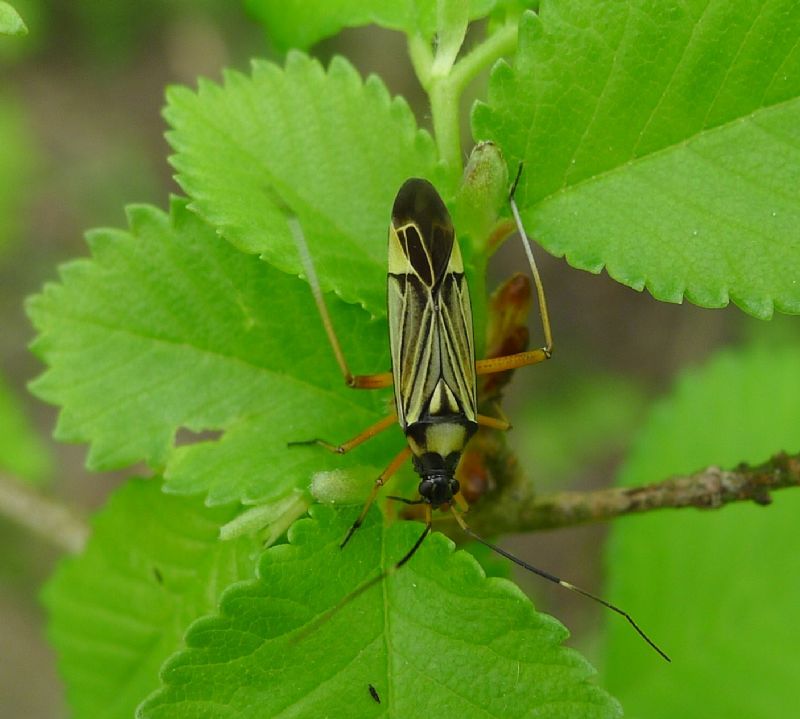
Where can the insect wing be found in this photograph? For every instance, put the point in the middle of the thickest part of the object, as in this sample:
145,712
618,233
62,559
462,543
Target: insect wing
430,316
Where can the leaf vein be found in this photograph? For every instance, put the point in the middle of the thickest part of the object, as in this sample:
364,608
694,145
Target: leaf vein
695,27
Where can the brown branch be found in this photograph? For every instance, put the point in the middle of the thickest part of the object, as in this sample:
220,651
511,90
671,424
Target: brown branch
48,518
502,499
511,507
518,510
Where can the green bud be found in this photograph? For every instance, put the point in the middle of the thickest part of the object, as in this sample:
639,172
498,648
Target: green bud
483,194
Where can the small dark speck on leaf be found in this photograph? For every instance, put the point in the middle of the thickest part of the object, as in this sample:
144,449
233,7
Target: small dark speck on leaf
374,693
185,436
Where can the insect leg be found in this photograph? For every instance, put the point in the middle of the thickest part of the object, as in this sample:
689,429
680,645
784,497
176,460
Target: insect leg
319,621
411,552
360,438
462,503
493,422
520,359
367,381
384,476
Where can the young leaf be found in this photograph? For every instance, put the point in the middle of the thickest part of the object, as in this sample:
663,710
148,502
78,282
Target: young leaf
661,142
301,23
722,586
153,565
452,18
301,143
435,639
10,21
167,327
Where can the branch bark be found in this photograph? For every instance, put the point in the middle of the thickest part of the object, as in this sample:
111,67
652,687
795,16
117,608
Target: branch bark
42,515
503,500
515,508
520,510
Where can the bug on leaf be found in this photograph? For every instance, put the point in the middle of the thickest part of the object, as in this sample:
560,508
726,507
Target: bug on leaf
434,371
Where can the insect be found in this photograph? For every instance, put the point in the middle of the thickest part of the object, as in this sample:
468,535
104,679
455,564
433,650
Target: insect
373,692
434,372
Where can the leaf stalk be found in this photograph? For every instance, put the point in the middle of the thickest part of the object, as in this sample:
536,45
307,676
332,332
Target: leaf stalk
445,82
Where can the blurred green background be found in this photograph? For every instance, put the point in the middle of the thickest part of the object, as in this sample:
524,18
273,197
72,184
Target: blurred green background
81,136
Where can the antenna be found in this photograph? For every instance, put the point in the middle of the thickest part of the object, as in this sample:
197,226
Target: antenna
556,580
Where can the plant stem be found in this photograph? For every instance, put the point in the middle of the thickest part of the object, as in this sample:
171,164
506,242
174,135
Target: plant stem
518,509
421,59
710,488
446,122
502,42
46,517
445,90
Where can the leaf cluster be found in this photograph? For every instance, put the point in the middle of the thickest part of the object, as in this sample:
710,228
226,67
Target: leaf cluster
660,142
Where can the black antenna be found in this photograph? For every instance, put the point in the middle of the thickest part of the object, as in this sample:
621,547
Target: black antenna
549,342
556,580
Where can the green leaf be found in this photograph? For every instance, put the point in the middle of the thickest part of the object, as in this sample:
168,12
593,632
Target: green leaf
153,565
169,327
435,639
10,21
301,23
21,451
662,142
322,148
718,589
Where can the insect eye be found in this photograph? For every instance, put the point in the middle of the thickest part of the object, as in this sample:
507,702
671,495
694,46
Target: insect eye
425,488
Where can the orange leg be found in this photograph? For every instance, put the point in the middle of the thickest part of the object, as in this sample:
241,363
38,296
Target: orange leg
384,476
493,422
359,381
369,381
360,438
358,591
501,364
462,503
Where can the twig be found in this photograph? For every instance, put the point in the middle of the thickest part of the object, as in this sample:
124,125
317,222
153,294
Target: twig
519,510
46,517
515,509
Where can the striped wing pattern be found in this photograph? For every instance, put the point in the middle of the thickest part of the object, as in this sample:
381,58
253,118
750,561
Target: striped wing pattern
430,316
